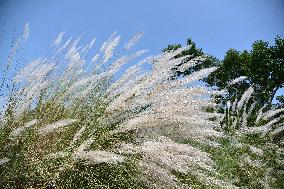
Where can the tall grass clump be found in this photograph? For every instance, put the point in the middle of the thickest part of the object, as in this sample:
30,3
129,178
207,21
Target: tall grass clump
72,120
251,152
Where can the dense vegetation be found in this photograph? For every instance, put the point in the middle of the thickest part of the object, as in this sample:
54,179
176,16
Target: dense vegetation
70,122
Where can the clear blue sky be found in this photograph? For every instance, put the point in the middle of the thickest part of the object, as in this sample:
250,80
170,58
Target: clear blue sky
215,25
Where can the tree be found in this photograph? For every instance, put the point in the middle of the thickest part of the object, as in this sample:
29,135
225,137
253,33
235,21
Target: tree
262,66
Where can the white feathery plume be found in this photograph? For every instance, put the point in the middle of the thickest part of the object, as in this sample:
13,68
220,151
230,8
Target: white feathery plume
97,63
73,55
256,150
88,46
244,117
160,74
136,38
99,156
29,96
260,114
32,85
26,32
56,155
237,80
246,114
58,39
95,58
105,44
129,76
278,130
84,146
272,113
252,107
16,44
78,135
93,80
16,132
245,97
80,84
194,76
264,129
91,44
24,73
109,49
4,160
171,155
109,46
192,62
228,106
55,126
234,106
66,44
124,84
246,160
114,68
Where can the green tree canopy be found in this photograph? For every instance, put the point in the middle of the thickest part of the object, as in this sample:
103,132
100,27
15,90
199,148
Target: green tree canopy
262,66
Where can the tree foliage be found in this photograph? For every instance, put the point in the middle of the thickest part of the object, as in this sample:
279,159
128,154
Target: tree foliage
262,66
